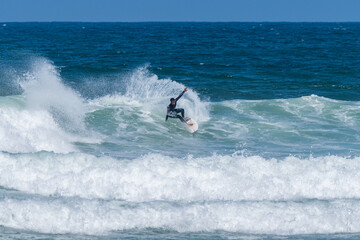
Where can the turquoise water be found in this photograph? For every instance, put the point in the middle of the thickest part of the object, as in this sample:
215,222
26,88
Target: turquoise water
85,152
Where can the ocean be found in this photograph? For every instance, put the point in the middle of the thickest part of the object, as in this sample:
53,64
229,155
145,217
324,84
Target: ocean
86,153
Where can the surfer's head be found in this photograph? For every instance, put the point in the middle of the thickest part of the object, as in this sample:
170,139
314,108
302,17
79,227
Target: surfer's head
172,100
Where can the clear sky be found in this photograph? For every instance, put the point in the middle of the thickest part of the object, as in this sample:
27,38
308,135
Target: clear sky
179,10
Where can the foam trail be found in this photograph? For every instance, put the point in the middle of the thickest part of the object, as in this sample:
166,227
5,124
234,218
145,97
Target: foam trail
156,177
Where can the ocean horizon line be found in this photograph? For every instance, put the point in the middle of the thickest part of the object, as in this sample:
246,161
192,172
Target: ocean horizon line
179,21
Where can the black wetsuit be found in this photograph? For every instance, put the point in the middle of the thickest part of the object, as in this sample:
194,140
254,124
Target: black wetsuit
172,111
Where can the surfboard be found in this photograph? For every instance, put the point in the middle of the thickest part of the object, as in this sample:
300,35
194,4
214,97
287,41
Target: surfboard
191,124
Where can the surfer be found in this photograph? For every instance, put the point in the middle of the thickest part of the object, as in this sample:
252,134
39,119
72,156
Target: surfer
172,111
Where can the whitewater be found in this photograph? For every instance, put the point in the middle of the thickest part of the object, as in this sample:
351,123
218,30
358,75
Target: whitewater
87,154
92,166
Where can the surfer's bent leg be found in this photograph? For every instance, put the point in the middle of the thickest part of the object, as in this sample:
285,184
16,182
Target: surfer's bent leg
173,114
180,110
181,118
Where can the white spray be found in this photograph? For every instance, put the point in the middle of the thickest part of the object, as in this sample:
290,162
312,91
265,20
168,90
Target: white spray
44,89
144,85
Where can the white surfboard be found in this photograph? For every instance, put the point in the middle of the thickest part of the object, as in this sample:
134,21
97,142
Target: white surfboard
192,124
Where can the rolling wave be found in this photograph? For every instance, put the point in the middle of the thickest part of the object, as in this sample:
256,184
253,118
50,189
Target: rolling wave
155,177
50,116
79,193
57,216
69,164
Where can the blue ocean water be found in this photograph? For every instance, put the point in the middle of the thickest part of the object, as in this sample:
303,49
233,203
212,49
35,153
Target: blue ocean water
86,153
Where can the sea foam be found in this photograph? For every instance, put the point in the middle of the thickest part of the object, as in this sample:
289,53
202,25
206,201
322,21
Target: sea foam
23,130
81,216
155,177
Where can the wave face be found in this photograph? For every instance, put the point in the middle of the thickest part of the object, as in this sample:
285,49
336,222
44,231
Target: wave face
85,151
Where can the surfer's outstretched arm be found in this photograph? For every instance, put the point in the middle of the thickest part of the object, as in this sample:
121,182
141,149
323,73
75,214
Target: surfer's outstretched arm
185,89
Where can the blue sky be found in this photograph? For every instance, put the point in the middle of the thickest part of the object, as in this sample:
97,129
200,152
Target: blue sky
179,10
